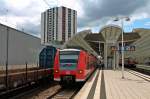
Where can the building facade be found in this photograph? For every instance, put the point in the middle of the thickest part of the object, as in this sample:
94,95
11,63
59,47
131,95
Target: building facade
58,24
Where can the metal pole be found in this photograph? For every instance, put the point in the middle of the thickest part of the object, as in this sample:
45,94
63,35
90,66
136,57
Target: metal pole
114,60
99,49
117,57
99,56
37,69
106,54
114,57
7,41
26,72
122,50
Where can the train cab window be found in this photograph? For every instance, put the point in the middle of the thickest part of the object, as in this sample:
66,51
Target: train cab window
68,60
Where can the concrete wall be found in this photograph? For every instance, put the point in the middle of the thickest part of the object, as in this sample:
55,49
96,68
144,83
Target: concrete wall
22,47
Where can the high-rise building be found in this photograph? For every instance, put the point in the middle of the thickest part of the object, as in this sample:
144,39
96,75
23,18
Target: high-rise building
58,24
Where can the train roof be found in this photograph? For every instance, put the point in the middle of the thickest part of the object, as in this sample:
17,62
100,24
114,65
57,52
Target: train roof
70,50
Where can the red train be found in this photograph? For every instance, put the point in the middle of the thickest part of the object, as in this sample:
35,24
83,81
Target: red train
128,62
73,65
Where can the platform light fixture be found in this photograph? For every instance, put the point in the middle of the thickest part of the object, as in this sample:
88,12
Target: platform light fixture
122,18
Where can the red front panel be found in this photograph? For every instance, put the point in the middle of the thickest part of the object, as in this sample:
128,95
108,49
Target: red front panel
83,69
56,66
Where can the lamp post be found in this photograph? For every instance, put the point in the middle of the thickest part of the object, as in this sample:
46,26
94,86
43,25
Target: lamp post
122,41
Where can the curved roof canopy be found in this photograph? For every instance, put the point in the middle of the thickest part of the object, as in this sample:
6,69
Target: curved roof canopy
79,42
90,41
111,33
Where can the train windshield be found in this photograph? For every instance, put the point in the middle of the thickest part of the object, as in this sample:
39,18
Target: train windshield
68,60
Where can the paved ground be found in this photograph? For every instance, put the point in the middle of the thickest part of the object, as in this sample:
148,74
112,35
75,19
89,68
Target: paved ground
132,87
108,84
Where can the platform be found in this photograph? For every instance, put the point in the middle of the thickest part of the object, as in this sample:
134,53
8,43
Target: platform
108,84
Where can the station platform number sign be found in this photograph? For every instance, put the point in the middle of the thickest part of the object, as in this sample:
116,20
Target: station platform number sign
126,48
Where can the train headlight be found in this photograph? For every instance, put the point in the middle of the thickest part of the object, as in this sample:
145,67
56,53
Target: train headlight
56,71
80,71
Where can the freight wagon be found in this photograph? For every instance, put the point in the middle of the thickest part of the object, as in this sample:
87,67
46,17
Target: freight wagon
46,58
19,77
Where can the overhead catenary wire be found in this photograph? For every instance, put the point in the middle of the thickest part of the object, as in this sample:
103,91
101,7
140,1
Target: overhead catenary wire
49,4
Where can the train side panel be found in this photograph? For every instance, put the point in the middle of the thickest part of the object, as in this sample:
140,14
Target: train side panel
81,68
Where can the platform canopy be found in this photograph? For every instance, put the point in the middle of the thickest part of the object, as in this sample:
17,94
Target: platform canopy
110,34
79,42
90,41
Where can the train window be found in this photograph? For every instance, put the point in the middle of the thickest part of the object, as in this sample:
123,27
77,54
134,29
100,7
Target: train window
68,59
69,52
68,56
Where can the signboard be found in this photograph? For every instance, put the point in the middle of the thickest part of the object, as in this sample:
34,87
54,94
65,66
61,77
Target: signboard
129,48
126,48
114,48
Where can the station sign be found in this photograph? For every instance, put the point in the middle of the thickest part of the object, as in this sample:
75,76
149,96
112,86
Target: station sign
126,48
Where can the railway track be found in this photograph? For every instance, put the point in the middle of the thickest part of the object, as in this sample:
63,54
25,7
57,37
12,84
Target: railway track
54,91
17,91
141,75
30,91
41,92
50,90
141,70
65,93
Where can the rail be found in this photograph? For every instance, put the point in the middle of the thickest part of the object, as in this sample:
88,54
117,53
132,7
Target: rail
141,75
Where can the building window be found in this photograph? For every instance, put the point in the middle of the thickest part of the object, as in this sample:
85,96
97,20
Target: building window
63,23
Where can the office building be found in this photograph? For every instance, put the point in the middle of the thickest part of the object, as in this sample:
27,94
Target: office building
58,24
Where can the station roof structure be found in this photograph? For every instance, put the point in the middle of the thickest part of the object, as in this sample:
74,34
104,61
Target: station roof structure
90,41
130,37
94,37
142,50
79,42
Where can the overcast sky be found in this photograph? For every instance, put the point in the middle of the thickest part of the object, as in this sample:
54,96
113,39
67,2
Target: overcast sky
92,14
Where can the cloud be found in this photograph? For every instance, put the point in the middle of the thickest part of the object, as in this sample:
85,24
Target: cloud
96,12
22,14
147,24
22,8
91,13
3,8
115,7
30,27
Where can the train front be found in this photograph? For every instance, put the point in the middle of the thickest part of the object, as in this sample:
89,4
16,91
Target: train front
65,67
